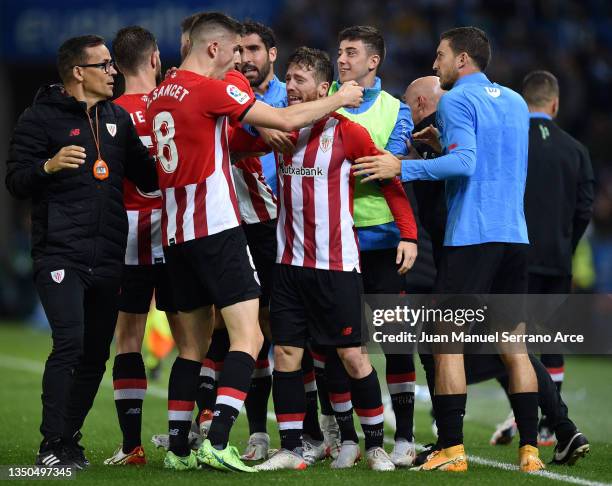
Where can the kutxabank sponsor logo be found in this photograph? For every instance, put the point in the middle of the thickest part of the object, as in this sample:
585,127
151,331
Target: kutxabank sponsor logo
289,170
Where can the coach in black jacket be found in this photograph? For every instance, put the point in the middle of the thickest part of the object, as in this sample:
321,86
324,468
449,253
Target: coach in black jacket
559,191
69,153
558,199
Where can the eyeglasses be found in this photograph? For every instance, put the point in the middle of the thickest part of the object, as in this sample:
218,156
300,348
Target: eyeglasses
104,66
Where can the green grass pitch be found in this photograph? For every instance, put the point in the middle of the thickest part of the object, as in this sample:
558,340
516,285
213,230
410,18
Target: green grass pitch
587,391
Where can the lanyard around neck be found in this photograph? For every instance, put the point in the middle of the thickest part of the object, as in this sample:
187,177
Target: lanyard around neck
96,134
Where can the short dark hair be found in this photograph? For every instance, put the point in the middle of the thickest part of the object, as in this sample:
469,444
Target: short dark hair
72,52
187,22
132,47
263,31
315,60
207,20
369,35
540,87
471,40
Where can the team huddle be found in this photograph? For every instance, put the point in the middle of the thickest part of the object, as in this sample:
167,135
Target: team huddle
277,205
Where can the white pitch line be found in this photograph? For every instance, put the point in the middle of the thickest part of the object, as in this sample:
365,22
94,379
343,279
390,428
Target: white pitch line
23,364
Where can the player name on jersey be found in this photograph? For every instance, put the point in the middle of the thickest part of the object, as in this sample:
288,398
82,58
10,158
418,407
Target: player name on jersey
175,91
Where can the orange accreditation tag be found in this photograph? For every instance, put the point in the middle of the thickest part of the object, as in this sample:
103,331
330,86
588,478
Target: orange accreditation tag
100,170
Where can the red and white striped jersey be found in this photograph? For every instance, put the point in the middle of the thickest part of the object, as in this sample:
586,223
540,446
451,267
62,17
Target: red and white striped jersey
256,199
188,115
315,224
143,209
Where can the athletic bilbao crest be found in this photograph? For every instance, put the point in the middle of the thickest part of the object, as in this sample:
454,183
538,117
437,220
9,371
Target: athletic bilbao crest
112,129
57,275
326,142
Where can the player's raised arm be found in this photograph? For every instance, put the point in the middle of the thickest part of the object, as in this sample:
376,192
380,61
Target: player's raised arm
297,116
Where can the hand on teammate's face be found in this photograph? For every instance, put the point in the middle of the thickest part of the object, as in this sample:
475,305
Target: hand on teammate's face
351,93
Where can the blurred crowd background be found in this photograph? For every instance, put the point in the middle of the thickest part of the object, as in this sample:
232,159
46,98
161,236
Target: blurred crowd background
572,39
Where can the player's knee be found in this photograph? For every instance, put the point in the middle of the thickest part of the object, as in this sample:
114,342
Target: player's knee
129,332
287,358
253,341
356,363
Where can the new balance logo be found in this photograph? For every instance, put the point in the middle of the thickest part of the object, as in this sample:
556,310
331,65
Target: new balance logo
301,171
173,432
544,131
133,411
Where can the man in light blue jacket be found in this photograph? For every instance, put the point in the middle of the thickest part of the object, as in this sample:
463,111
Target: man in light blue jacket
484,134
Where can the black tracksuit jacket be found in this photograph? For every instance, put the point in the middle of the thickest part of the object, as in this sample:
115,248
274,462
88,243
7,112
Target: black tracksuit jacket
558,197
78,221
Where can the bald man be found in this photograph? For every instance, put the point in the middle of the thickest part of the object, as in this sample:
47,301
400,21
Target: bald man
422,96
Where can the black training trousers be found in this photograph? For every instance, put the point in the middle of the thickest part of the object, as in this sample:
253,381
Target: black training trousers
82,312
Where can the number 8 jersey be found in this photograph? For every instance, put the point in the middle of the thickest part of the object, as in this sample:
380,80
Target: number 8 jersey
188,116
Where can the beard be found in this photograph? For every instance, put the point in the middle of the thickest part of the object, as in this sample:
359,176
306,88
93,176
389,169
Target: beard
447,82
262,73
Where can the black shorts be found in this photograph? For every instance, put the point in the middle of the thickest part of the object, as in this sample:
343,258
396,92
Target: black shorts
261,238
215,270
139,283
379,272
488,268
323,305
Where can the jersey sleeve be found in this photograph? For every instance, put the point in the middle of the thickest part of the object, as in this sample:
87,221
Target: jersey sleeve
400,207
457,124
401,135
357,141
240,81
226,99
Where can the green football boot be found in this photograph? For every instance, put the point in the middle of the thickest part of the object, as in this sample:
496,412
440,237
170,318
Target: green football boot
226,460
178,463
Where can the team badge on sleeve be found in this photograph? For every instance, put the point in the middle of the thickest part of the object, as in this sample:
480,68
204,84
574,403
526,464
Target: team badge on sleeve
58,275
112,129
240,96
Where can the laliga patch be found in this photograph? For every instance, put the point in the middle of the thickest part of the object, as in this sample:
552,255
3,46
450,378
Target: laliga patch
112,129
240,96
326,143
493,92
58,275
